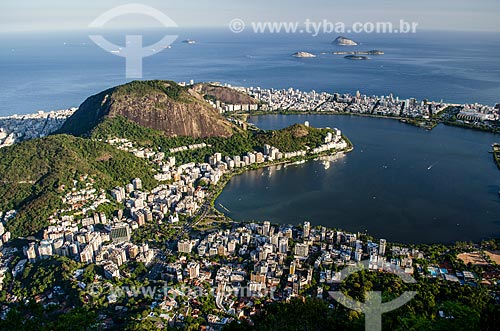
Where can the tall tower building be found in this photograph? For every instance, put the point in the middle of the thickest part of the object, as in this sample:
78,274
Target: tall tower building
307,229
266,228
381,247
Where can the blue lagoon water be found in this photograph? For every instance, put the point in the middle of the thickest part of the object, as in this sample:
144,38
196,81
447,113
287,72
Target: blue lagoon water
401,183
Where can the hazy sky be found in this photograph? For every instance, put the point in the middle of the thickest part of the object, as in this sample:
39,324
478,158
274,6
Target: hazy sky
471,15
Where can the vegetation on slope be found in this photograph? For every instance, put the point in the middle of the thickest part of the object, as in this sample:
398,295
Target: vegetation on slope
33,172
471,308
293,138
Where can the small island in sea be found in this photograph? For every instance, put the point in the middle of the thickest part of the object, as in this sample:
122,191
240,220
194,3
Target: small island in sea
303,55
343,41
356,57
372,52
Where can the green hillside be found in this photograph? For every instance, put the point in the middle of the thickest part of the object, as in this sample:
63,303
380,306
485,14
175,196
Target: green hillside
32,173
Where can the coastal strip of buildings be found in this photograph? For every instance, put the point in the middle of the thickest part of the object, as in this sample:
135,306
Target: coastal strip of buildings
17,128
275,100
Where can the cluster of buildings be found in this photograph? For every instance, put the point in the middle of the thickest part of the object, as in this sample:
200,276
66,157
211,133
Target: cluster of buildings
82,197
290,99
97,239
383,106
296,100
479,113
6,255
250,261
224,107
107,241
228,108
188,148
18,128
446,273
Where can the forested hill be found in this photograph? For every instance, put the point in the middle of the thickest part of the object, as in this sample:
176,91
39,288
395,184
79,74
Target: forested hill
34,173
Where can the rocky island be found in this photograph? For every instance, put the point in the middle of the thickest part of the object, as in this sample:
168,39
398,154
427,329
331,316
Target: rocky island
343,41
356,57
372,52
303,55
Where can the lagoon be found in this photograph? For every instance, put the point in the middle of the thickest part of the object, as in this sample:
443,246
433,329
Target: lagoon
402,183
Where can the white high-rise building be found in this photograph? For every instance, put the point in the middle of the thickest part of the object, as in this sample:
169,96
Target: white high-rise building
193,270
185,246
45,249
381,247
266,228
283,245
358,254
307,229
301,250
137,182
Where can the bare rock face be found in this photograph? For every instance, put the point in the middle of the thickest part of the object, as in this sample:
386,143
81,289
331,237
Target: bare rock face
343,41
160,105
303,55
225,94
299,131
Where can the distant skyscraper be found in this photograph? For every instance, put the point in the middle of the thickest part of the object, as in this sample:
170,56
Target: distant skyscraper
381,248
266,228
307,229
283,245
137,182
358,254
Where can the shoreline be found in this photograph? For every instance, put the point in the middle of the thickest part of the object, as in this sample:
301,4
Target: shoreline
410,121
219,188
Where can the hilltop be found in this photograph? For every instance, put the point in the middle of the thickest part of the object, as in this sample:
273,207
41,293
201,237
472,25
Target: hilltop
162,105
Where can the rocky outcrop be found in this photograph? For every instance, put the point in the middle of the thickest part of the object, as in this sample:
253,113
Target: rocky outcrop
160,105
224,94
343,41
303,55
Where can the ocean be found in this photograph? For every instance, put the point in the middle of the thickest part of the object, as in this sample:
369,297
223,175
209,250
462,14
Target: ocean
48,71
